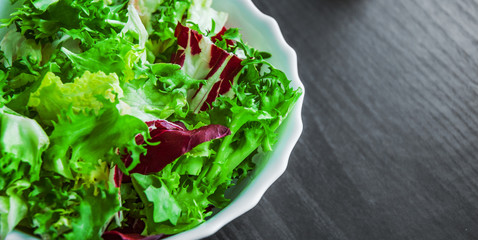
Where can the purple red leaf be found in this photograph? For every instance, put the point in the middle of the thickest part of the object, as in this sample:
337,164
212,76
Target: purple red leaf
174,141
200,58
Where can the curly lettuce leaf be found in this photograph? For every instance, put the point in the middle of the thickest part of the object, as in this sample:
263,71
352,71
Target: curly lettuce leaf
79,141
13,207
169,208
161,95
81,95
15,46
87,21
118,54
21,62
62,209
113,55
22,142
152,190
263,99
96,207
162,42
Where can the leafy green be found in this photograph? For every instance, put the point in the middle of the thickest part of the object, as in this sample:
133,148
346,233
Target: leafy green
22,142
22,59
16,46
83,145
163,21
134,27
181,204
160,95
87,21
80,140
113,55
162,206
96,207
13,207
82,94
263,98
71,211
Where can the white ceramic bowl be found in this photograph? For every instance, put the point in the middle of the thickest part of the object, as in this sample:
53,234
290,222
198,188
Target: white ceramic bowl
261,32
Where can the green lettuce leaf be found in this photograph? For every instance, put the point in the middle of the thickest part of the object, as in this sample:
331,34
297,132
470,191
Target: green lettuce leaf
21,65
15,46
134,27
161,95
80,141
13,207
22,142
113,55
152,190
87,21
162,42
81,95
97,206
62,209
118,54
169,208
263,99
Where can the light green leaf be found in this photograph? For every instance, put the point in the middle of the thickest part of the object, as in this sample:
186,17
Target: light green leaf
165,207
42,5
12,207
97,207
53,95
22,142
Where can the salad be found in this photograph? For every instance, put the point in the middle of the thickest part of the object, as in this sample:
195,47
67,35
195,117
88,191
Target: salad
128,119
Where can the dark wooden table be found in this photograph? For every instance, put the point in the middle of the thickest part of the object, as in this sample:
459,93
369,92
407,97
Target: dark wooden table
390,142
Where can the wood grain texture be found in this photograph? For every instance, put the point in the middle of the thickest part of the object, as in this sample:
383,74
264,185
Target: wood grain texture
390,142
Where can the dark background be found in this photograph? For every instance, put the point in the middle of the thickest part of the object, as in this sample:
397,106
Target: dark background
390,142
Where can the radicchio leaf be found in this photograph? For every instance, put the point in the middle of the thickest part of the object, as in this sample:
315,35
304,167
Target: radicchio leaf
200,58
174,141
